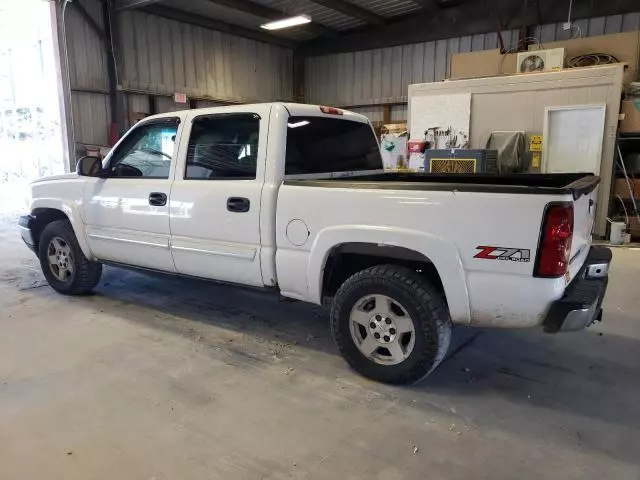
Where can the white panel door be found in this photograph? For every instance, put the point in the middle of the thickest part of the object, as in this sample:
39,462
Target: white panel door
216,194
572,139
127,211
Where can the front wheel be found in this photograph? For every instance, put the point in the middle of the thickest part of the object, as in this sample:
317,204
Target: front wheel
390,324
64,265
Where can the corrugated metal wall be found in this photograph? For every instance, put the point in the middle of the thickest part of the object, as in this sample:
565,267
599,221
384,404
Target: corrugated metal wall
383,75
165,56
138,103
87,58
87,71
91,117
380,76
590,27
160,56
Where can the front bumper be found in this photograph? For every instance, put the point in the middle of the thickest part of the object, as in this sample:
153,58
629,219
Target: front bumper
24,225
581,304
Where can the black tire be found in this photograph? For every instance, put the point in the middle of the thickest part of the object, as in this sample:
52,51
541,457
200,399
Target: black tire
86,274
424,305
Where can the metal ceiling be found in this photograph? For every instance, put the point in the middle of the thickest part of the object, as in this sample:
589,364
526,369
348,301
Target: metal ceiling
350,25
389,9
319,14
337,16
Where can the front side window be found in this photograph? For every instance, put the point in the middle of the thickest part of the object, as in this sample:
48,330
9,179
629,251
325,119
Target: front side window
323,145
223,147
146,152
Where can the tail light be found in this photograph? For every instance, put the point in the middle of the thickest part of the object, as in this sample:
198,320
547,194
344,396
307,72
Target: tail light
331,110
554,248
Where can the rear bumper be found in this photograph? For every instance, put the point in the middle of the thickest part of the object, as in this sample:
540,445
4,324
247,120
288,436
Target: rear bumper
24,225
581,304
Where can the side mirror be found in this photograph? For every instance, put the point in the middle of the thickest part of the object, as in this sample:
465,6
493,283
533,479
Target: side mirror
89,166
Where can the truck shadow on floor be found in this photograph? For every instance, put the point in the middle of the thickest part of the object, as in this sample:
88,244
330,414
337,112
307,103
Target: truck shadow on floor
584,378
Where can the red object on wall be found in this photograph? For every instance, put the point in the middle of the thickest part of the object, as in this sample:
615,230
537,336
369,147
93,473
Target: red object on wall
415,146
114,134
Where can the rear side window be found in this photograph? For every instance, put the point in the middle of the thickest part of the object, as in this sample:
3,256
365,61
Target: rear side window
223,146
323,145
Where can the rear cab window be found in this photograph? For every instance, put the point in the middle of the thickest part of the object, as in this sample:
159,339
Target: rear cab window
317,145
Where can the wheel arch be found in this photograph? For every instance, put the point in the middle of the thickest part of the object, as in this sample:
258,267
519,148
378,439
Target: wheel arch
45,212
361,326
347,250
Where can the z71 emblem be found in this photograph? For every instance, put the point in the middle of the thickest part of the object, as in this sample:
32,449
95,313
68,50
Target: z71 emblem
503,253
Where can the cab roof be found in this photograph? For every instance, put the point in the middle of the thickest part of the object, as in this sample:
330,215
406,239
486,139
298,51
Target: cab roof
294,109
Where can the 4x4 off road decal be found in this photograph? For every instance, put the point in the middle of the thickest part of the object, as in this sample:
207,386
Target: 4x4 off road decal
503,253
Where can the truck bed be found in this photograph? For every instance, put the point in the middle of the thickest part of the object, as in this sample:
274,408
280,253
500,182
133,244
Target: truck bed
575,184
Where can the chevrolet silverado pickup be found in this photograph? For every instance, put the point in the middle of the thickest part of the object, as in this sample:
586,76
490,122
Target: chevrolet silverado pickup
294,198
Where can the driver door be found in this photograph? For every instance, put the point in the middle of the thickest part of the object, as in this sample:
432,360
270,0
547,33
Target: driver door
127,213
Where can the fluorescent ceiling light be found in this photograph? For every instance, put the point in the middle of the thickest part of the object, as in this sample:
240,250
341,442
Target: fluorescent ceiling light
298,124
287,22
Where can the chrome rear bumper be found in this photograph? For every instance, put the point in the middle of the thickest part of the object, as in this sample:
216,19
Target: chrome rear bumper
581,304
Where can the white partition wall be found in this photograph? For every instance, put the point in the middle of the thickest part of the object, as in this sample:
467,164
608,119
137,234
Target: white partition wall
519,102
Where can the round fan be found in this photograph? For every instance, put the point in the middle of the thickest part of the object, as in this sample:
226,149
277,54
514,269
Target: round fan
532,63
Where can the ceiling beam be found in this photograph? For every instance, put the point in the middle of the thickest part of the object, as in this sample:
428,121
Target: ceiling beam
352,10
269,13
466,19
206,22
132,4
252,8
430,4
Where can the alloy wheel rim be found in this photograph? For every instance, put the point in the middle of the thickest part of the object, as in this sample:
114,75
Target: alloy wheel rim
60,259
382,329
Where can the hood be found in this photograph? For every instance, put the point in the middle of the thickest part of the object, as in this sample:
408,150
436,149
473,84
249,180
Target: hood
66,176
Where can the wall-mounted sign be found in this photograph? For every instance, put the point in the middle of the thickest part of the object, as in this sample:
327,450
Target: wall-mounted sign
535,160
535,143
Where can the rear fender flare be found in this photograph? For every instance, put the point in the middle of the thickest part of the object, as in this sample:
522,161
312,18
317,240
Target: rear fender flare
443,254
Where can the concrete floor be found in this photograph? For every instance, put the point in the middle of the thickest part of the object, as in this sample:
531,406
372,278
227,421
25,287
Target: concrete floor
160,378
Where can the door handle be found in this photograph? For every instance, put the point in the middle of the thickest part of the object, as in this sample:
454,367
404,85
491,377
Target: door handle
157,199
238,204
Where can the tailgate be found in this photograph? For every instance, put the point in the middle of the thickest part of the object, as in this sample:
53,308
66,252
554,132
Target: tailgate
584,210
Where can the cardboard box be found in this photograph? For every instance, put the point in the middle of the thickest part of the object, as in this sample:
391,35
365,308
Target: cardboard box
621,188
631,111
486,63
396,128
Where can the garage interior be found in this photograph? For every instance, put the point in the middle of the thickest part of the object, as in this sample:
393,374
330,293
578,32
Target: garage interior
158,377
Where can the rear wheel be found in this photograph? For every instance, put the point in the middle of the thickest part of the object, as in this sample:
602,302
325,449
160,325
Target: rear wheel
64,265
390,324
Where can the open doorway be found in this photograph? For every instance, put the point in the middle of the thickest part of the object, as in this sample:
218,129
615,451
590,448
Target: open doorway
30,134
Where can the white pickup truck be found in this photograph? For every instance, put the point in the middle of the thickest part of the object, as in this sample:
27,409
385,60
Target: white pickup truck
293,198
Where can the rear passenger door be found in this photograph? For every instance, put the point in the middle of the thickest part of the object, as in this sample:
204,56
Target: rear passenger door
215,197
